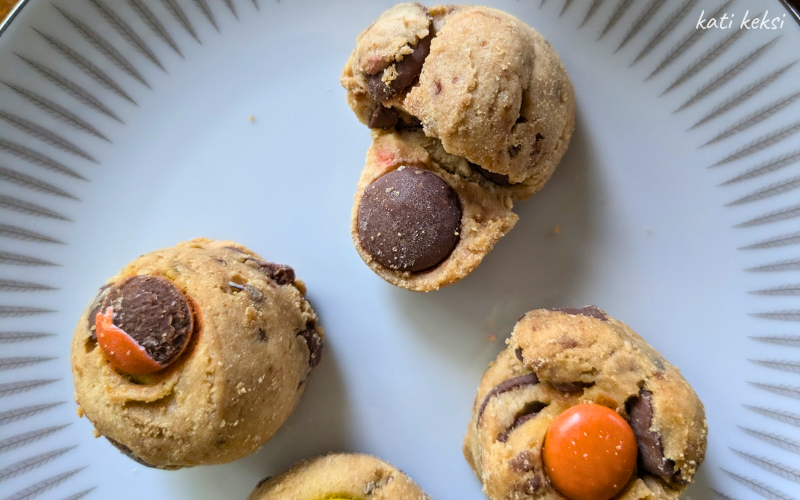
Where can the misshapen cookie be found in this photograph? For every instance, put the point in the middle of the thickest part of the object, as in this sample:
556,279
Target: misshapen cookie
340,476
194,354
484,83
422,219
475,97
583,361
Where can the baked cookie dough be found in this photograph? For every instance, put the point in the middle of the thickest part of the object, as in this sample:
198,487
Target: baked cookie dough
194,354
481,81
340,476
565,361
470,109
423,219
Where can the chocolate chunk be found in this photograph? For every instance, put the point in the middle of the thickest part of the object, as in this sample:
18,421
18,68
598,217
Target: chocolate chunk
407,71
383,117
280,273
651,451
527,413
532,485
413,122
314,343
589,311
409,219
571,387
514,150
152,311
129,453
95,305
518,354
506,386
525,461
499,179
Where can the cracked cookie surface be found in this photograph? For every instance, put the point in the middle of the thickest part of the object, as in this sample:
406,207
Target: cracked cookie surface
557,359
254,343
337,476
488,86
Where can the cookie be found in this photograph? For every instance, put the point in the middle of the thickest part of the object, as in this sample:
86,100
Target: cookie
559,399
481,81
340,476
423,219
194,354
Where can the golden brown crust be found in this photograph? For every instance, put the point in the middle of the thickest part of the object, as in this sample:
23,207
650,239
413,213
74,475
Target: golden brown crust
339,475
486,216
577,359
238,381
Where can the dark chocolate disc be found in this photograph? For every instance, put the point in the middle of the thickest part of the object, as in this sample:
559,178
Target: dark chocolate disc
154,313
409,219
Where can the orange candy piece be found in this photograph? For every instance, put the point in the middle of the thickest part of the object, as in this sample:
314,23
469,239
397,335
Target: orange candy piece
120,349
589,452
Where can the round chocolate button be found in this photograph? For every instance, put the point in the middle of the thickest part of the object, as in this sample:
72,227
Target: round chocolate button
409,219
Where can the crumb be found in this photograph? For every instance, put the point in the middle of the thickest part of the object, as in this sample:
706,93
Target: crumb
80,412
557,229
97,434
491,338
252,119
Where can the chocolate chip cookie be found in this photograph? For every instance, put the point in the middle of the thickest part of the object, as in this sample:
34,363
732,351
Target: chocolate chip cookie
422,218
481,81
194,354
340,476
565,370
488,101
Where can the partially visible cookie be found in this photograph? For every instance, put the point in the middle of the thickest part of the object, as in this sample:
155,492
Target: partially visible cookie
340,476
484,83
576,359
423,219
194,354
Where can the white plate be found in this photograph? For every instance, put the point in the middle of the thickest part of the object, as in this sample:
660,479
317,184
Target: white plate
650,228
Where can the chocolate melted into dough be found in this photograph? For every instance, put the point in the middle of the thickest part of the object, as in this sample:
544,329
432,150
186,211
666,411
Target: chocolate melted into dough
651,450
407,71
409,219
154,313
588,311
506,386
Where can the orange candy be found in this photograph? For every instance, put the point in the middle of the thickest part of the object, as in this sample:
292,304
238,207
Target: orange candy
120,349
589,452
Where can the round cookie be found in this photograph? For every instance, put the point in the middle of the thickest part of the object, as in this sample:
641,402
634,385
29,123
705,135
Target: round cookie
423,219
234,341
340,476
484,83
561,358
